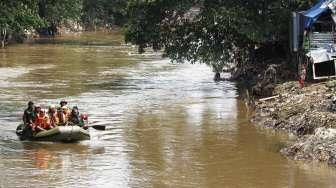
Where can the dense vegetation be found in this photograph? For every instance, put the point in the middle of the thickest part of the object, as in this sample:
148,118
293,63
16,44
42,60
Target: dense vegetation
104,13
54,12
215,32
16,16
45,16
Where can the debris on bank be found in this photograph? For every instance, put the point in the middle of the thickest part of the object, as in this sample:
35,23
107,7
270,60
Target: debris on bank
320,146
307,112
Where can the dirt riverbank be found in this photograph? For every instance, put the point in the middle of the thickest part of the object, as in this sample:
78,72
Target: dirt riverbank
306,112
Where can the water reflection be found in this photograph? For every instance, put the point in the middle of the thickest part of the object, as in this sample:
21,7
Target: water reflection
42,158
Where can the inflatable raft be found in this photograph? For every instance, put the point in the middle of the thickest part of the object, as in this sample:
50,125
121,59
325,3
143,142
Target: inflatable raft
57,134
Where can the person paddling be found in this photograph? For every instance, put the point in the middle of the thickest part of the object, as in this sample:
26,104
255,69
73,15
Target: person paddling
29,114
28,118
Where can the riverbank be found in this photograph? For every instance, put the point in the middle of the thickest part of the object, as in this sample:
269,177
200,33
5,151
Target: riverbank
306,112
67,28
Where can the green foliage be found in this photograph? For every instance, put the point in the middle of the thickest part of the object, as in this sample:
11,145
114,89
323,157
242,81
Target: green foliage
104,12
19,15
57,12
214,32
46,15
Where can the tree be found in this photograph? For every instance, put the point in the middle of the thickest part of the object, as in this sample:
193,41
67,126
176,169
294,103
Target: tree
22,15
47,15
104,13
215,32
55,12
16,17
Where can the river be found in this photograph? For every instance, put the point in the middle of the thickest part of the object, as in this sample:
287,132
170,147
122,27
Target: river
168,125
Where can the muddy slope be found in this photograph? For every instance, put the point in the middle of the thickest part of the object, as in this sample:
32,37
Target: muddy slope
305,112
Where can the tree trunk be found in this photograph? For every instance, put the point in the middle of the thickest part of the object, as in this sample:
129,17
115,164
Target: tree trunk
3,40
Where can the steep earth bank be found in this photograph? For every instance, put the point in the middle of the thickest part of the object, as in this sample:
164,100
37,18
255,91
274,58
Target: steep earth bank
306,112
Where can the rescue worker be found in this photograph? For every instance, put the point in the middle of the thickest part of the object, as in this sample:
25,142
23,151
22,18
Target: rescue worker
74,118
29,114
37,110
53,117
41,122
64,104
63,113
84,121
63,116
28,119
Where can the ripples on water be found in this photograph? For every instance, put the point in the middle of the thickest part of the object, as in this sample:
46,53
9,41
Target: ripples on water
169,125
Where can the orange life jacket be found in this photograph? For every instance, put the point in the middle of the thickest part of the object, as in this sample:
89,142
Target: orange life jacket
42,121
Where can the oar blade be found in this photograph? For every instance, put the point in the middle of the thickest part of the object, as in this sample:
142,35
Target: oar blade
99,127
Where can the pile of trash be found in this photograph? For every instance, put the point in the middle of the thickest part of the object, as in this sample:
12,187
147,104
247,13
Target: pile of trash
307,112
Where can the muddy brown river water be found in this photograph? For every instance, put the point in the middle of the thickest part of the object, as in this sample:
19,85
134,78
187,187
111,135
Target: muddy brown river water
168,125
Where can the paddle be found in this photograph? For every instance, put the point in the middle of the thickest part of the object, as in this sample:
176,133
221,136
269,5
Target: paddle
98,127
